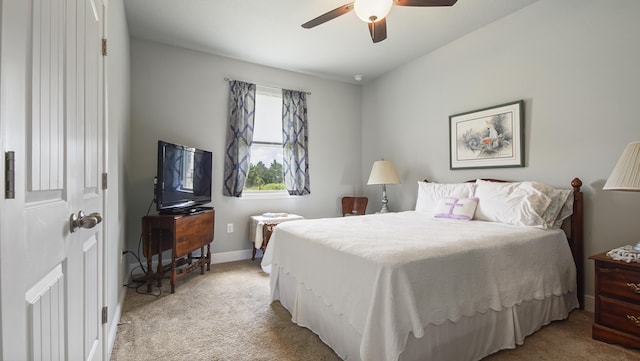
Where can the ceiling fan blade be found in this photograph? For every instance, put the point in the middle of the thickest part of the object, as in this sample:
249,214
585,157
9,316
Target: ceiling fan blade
378,30
424,2
328,16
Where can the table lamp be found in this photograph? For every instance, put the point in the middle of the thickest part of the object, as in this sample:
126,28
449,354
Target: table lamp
383,172
626,174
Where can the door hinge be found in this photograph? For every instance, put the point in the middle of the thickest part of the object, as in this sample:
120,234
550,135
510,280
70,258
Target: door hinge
105,314
104,180
104,47
10,175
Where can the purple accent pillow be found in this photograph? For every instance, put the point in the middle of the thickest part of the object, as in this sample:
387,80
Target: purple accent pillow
456,208
430,193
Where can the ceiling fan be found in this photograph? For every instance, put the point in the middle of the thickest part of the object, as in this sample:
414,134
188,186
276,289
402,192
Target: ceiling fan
374,13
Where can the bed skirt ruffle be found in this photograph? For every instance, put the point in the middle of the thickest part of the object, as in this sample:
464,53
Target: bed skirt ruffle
471,338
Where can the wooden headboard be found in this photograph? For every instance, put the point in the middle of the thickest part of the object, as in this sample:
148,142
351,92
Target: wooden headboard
574,228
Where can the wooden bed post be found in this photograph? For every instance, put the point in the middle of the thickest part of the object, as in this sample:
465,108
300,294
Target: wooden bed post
577,238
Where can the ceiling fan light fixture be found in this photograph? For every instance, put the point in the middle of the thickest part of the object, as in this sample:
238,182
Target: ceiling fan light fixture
372,10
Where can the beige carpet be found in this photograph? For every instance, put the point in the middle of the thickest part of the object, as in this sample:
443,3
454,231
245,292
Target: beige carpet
226,315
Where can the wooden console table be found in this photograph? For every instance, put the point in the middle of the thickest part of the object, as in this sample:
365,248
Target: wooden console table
182,234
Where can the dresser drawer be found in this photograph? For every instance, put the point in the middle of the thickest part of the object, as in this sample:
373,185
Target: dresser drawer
619,283
620,315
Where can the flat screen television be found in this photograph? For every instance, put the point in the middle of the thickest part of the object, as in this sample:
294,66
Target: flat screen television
184,178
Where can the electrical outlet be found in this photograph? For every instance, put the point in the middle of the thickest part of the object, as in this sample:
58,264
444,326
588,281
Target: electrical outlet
229,227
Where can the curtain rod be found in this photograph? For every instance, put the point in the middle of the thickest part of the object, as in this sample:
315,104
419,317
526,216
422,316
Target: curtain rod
266,86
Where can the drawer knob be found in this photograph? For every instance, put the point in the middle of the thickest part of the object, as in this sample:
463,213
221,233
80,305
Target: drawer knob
634,286
635,320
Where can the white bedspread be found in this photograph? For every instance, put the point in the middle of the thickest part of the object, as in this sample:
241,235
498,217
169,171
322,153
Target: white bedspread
391,274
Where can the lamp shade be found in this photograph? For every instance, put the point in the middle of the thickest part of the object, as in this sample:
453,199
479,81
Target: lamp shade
626,174
383,172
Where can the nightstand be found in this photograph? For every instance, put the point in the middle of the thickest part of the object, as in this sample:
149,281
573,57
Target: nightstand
617,301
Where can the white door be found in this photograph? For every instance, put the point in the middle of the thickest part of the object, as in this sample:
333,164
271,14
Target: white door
52,118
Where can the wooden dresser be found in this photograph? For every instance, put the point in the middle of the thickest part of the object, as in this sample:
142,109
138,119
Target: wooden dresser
617,301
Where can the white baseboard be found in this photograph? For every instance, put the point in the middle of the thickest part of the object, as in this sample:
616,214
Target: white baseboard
589,303
231,256
113,327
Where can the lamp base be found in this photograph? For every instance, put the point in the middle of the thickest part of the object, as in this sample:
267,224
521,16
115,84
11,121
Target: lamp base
384,209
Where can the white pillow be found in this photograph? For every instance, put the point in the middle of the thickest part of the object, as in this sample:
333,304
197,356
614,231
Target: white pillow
566,211
456,208
518,203
561,207
430,193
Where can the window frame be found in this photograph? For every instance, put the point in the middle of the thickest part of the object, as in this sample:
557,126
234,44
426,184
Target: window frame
266,194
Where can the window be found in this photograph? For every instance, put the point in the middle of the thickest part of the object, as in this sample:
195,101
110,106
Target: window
265,168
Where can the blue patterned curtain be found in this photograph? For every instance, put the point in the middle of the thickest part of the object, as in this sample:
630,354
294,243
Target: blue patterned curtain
239,136
295,139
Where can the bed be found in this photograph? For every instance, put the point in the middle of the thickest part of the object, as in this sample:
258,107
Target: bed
474,269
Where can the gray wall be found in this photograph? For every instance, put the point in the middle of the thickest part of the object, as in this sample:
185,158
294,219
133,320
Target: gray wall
181,96
575,64
117,68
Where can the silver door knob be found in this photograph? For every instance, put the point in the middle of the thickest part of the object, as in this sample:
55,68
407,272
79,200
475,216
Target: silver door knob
83,221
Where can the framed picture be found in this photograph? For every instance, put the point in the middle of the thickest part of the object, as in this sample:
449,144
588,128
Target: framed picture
488,138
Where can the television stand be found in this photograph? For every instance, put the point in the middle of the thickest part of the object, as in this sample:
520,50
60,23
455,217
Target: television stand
182,234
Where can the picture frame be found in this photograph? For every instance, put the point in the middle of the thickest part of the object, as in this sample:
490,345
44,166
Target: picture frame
487,138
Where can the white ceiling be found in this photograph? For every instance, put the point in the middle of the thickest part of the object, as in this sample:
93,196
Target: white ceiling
268,32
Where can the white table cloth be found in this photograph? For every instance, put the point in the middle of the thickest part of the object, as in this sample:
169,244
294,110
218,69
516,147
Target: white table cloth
256,223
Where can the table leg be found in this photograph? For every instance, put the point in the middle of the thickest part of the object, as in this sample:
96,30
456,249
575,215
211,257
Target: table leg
202,260
172,278
160,268
150,274
209,257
